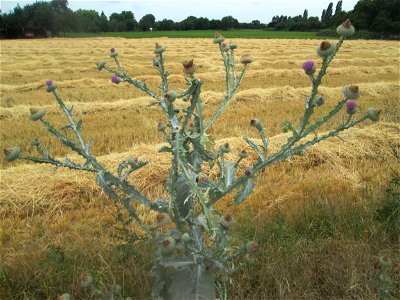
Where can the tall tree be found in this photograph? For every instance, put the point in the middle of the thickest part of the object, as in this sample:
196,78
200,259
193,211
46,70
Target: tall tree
338,7
87,20
305,14
148,21
229,22
124,21
62,16
323,15
103,22
329,12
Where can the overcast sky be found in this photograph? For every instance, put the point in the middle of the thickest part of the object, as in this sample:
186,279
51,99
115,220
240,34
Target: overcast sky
244,11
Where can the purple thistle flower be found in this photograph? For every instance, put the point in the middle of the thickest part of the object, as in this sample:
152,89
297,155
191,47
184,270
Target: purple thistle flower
351,107
115,79
247,173
112,50
309,67
49,82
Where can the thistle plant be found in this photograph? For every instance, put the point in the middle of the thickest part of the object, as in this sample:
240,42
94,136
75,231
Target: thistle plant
195,253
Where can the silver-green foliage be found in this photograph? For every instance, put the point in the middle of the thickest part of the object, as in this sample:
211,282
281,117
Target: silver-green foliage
195,258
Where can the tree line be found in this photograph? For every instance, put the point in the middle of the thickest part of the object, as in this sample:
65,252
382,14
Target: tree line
57,17
381,16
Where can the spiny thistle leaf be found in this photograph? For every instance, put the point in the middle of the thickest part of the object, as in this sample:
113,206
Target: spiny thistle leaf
244,193
229,174
184,197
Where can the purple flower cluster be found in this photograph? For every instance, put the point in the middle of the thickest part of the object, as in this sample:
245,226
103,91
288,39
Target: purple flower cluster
115,79
309,67
351,107
49,82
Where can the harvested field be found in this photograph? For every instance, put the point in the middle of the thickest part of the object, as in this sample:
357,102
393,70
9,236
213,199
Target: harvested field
55,224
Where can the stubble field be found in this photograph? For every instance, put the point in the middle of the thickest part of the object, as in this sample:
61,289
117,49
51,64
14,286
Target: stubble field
320,218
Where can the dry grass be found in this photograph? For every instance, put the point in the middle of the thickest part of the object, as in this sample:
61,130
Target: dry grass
329,245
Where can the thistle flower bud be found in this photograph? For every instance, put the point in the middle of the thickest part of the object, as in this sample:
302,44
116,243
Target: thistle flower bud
162,219
36,114
225,47
189,68
161,126
12,154
186,237
243,154
170,95
225,148
385,262
247,173
232,46
168,245
351,91
309,67
257,124
101,65
50,85
159,49
156,61
325,49
86,280
64,296
115,79
373,114
345,29
318,101
246,59
133,161
218,39
351,107
252,247
227,221
113,52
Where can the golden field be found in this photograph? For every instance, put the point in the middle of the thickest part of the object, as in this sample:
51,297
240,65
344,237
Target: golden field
329,245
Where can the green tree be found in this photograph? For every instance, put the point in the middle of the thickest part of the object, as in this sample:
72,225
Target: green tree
323,15
329,12
16,19
305,14
148,21
63,17
229,22
189,23
256,24
338,7
124,21
165,25
39,15
382,16
103,22
87,20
